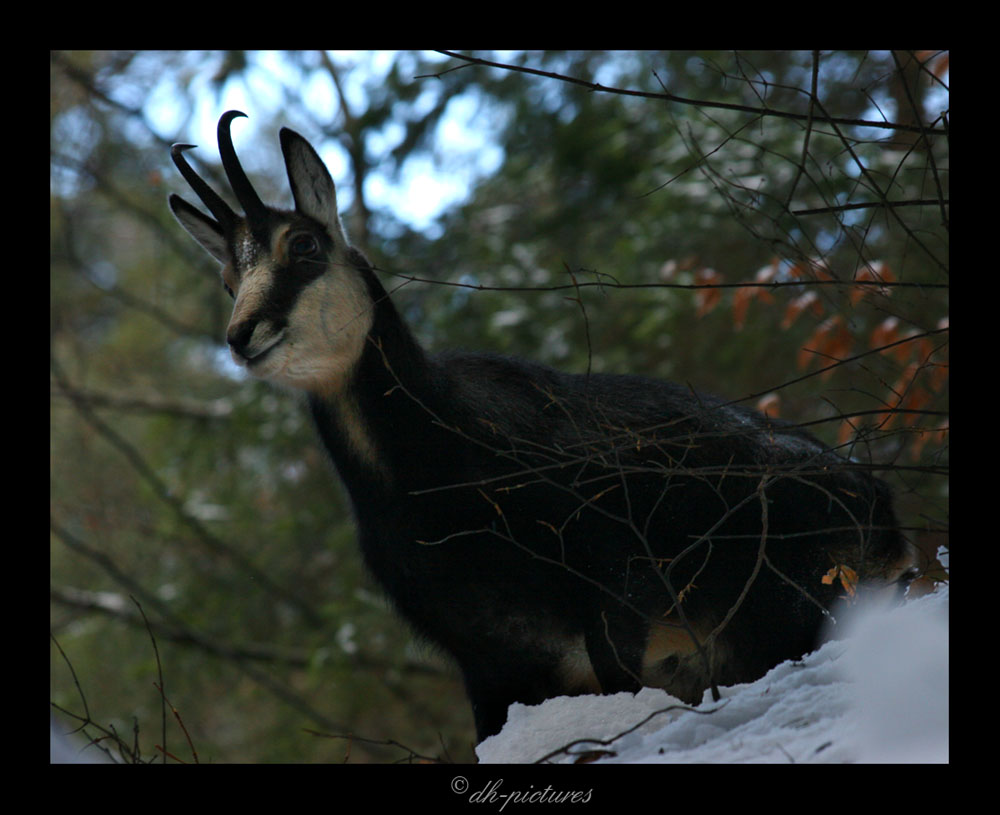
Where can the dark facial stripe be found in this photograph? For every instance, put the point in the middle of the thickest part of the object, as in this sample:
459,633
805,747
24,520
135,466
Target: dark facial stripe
290,279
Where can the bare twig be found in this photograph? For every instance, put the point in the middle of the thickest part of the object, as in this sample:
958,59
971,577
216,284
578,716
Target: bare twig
702,103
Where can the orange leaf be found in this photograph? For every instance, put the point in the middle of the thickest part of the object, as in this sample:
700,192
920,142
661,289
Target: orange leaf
849,580
707,299
819,269
766,274
741,304
905,381
769,404
846,432
803,357
884,333
874,272
915,400
847,576
938,376
831,341
804,301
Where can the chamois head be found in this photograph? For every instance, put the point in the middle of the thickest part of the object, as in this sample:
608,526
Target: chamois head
301,307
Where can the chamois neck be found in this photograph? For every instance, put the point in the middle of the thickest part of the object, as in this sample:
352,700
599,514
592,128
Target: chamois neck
392,357
362,421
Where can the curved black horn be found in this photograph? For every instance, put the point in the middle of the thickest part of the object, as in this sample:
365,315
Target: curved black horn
245,193
220,209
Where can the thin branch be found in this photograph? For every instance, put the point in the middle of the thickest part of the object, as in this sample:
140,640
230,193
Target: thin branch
170,628
609,741
606,281
147,403
921,202
159,674
813,95
704,103
210,541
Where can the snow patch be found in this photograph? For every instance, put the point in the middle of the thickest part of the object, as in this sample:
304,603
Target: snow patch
880,694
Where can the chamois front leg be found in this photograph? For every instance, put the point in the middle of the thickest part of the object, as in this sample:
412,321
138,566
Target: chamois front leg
616,640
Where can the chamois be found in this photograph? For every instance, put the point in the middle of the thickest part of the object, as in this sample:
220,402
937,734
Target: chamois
553,533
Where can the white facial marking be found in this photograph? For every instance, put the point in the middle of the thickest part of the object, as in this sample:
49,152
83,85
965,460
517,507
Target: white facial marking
317,344
325,332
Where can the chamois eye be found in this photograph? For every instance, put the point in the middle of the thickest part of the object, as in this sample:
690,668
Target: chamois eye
303,246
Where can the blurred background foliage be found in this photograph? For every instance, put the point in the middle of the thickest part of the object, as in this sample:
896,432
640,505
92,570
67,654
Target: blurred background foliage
508,210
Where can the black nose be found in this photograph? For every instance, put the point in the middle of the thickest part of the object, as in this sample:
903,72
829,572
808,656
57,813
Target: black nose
239,336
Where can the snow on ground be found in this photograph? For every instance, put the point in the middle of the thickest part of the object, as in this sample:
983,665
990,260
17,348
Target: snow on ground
880,694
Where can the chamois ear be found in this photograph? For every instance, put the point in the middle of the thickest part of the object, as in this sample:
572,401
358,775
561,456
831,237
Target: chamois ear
312,186
203,229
